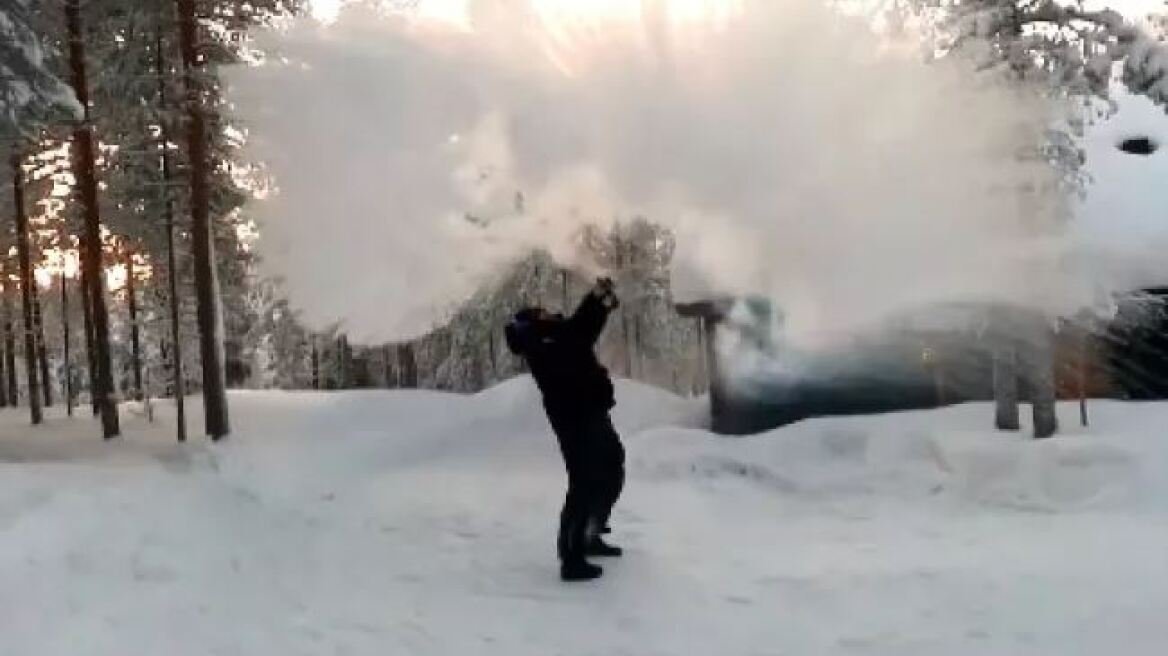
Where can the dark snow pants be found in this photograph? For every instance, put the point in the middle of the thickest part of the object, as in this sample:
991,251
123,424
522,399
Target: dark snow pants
595,460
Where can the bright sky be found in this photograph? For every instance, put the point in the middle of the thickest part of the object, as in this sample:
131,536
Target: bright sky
455,10
553,11
1127,191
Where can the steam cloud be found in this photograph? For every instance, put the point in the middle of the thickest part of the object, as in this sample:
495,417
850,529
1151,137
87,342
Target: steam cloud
794,153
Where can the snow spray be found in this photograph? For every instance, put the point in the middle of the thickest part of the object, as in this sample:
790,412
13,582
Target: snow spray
794,152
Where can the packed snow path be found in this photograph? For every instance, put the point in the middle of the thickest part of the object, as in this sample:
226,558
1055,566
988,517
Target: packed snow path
415,524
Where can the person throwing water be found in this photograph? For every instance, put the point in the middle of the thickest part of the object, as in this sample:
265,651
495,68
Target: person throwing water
577,396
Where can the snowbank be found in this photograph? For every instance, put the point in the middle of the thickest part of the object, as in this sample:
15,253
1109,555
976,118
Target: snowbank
418,524
945,452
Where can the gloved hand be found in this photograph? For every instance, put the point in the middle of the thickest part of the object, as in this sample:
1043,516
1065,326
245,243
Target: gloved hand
605,289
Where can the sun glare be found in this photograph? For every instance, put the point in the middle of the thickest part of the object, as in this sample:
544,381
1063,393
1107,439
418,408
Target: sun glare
562,14
451,12
575,27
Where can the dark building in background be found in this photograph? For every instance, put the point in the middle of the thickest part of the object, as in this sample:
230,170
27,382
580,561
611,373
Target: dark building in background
940,356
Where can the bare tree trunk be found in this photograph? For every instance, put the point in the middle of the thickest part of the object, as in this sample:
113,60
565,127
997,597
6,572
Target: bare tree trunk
387,363
135,334
3,377
66,350
315,362
564,291
90,347
4,284
206,287
627,355
9,339
407,366
26,277
938,378
42,345
84,170
702,382
638,351
344,364
491,353
178,378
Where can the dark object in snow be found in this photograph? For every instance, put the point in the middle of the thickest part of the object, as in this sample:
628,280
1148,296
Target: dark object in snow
601,549
577,395
1138,146
581,571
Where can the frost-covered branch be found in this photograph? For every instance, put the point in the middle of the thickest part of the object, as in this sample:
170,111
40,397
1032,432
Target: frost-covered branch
1021,31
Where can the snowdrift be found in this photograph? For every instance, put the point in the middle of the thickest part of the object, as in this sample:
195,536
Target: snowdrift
947,453
422,524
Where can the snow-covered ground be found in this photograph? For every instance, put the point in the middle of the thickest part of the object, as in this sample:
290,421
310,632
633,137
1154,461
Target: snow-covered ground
417,523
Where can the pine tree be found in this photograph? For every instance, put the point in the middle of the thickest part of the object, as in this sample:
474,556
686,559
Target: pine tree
92,252
31,94
27,281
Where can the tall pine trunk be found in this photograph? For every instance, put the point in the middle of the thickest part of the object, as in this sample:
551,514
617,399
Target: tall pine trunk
85,173
407,367
66,352
492,342
638,348
701,383
26,283
9,338
4,327
210,337
315,362
135,335
344,364
178,379
42,345
564,302
90,348
387,361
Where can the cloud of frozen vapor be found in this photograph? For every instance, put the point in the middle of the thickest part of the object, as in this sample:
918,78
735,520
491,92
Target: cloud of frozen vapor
794,153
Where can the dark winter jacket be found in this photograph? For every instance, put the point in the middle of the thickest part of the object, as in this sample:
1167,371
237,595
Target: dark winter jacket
562,360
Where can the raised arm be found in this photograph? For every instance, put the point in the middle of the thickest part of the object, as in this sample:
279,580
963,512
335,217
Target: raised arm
588,321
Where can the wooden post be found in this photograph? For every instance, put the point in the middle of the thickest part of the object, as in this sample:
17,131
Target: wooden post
1084,363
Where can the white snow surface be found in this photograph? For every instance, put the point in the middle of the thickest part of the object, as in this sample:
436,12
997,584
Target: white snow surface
418,523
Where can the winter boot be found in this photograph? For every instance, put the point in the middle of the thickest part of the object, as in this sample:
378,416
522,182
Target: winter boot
579,570
598,547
